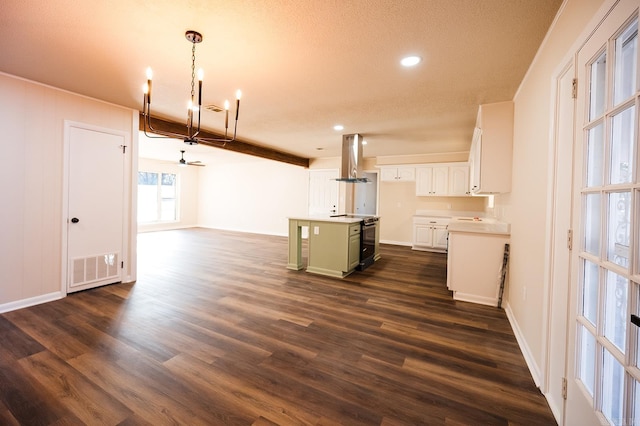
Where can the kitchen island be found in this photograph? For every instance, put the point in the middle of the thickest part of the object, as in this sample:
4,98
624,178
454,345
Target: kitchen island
474,259
334,244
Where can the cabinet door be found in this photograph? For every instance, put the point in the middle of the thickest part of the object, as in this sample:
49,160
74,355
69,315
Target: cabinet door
459,180
424,180
388,174
354,251
440,236
423,235
440,181
406,173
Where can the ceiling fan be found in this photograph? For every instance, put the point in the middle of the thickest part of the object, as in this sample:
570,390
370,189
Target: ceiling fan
185,163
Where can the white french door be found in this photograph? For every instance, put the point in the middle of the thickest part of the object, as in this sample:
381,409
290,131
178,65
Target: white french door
603,376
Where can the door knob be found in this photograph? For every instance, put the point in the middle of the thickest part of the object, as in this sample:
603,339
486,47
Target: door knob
75,220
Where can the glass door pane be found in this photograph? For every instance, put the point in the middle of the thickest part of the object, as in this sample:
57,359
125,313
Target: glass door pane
615,311
619,232
587,360
590,291
597,87
622,137
626,64
612,389
595,156
592,224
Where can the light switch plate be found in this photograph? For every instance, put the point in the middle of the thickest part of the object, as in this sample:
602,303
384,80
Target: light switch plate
316,230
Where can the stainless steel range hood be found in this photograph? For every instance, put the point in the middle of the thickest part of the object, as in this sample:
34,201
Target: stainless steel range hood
351,170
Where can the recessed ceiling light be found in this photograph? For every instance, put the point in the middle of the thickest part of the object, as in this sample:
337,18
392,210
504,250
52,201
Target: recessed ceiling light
338,127
410,61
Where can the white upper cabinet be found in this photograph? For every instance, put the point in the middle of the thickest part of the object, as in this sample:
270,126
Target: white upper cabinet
397,174
459,180
443,180
491,151
432,180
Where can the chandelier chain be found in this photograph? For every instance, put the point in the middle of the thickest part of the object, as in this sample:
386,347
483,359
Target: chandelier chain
193,70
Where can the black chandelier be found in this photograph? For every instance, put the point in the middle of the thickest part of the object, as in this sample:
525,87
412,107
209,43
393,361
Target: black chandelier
191,136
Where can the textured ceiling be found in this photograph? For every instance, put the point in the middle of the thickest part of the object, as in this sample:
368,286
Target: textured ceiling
303,65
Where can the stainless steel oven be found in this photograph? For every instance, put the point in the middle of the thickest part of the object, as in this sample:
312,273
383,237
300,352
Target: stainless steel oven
369,228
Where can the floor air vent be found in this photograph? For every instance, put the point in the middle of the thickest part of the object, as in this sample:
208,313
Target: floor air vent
95,268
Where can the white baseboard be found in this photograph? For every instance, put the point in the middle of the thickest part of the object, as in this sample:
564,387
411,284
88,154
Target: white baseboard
25,303
524,348
396,243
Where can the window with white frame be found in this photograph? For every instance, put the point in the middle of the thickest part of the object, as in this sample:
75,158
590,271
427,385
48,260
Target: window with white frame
157,197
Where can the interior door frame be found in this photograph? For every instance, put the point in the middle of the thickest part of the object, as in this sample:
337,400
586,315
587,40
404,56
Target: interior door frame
126,204
557,292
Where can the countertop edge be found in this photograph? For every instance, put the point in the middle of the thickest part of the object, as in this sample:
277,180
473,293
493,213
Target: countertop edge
327,219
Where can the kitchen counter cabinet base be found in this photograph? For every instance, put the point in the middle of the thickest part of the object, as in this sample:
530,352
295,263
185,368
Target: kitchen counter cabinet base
474,262
333,249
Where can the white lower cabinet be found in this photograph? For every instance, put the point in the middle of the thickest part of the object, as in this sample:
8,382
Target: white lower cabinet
430,233
474,262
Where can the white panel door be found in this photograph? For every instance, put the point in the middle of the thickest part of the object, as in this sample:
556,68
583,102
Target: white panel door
323,192
95,207
603,356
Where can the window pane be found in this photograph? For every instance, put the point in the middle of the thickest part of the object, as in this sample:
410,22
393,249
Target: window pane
587,359
612,389
590,291
147,197
622,137
625,66
146,178
168,209
592,224
597,86
615,309
157,193
595,155
619,228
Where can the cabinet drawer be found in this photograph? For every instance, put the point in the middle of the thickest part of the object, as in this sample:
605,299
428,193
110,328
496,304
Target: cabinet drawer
354,229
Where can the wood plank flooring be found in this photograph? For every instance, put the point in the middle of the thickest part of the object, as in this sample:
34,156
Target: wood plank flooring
216,331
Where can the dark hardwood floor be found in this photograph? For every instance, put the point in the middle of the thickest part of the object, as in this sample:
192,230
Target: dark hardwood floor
216,331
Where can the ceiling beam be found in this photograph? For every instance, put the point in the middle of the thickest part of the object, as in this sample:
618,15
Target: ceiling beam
236,146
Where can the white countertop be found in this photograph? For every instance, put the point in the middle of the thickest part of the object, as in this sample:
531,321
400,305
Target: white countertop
324,218
447,213
479,226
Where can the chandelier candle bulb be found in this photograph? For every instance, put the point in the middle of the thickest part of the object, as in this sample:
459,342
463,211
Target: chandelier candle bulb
238,96
226,114
200,77
149,77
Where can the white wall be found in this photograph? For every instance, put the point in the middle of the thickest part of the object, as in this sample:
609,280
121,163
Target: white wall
526,206
250,194
32,121
188,181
